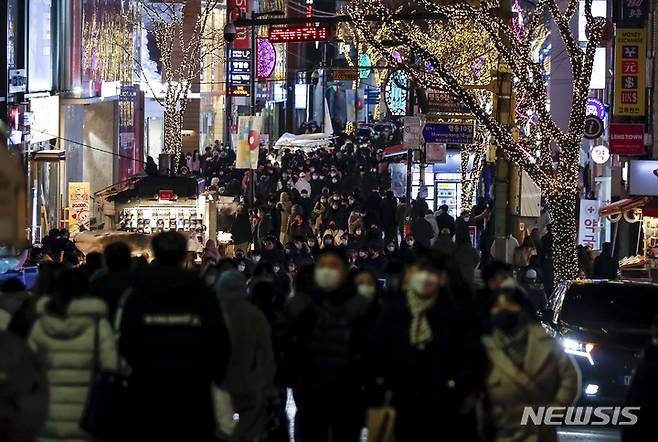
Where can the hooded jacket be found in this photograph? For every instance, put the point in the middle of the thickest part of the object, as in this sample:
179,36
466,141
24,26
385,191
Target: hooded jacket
250,372
67,346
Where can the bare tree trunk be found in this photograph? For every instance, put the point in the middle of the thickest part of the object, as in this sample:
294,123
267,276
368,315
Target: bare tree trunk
564,234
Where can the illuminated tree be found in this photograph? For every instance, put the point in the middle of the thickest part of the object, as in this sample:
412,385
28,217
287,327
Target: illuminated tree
182,51
534,141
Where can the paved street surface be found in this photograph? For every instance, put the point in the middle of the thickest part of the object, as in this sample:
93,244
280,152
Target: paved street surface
589,435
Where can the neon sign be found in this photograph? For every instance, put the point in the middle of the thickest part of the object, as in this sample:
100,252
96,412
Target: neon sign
395,96
297,33
266,58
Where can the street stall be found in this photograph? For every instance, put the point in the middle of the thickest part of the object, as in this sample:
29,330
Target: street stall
150,204
642,211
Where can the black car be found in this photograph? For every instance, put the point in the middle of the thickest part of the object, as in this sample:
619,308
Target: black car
605,325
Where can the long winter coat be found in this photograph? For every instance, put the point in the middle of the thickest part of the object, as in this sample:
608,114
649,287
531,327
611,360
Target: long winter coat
428,386
66,345
548,378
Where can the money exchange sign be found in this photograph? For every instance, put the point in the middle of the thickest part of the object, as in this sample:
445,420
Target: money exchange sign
630,81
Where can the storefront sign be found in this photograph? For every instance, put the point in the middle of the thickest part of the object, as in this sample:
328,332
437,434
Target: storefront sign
166,195
643,177
630,83
442,102
248,140
266,56
588,224
600,154
435,153
626,139
593,127
79,206
596,107
238,7
633,13
240,72
448,133
365,65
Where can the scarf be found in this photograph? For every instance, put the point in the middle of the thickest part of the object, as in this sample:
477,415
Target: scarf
513,344
420,332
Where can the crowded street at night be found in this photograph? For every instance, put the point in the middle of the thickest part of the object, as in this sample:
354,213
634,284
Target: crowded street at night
328,221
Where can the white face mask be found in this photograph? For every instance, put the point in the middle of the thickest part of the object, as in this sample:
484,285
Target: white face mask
423,282
276,269
411,243
326,278
466,218
366,290
256,258
241,267
390,248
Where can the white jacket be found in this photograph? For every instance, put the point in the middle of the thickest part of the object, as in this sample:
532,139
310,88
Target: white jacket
66,345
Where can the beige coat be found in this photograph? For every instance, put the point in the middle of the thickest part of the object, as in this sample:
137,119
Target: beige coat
549,378
66,345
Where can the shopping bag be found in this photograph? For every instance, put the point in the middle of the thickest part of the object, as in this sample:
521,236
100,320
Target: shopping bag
381,424
225,414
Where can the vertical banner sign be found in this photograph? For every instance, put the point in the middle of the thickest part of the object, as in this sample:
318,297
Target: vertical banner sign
79,206
630,82
588,224
248,142
242,37
633,13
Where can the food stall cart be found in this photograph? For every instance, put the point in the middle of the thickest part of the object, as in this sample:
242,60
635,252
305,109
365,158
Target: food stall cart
644,212
151,204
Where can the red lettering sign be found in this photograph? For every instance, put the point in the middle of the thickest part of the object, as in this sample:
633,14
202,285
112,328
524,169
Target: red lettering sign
626,139
166,195
242,38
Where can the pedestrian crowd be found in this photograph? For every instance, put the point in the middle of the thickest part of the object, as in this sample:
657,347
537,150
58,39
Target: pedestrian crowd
210,353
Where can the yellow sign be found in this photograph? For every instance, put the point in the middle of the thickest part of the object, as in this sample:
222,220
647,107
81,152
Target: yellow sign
79,206
630,81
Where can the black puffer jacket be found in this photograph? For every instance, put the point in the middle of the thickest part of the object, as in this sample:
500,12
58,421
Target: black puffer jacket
320,339
175,340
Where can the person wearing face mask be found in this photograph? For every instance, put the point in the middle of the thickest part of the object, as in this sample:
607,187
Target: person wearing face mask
355,220
462,222
392,252
408,248
526,367
321,335
425,355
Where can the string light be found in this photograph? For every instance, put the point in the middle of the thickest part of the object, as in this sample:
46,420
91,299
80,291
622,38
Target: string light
190,48
516,48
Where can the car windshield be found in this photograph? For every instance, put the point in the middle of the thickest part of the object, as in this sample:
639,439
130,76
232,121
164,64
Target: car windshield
610,306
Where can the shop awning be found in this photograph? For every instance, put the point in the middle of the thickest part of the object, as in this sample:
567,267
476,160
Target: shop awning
395,150
648,205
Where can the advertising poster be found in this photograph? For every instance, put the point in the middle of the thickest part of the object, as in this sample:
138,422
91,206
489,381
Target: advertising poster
630,82
79,206
248,139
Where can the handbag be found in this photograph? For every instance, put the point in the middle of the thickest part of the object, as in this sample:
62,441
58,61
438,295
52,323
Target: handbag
224,410
106,400
380,422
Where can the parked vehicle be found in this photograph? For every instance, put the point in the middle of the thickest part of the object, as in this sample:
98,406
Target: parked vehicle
605,325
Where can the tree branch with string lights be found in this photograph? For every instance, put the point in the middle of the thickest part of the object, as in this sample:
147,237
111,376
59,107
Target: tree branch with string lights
191,47
534,142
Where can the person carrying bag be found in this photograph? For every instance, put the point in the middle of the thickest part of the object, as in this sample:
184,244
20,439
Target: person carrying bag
102,416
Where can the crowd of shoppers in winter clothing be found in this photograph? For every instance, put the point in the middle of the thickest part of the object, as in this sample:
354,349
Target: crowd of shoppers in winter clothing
212,352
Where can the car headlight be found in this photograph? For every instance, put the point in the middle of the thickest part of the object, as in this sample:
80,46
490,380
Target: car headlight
578,348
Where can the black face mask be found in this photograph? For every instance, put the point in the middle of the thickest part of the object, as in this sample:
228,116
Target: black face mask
505,320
